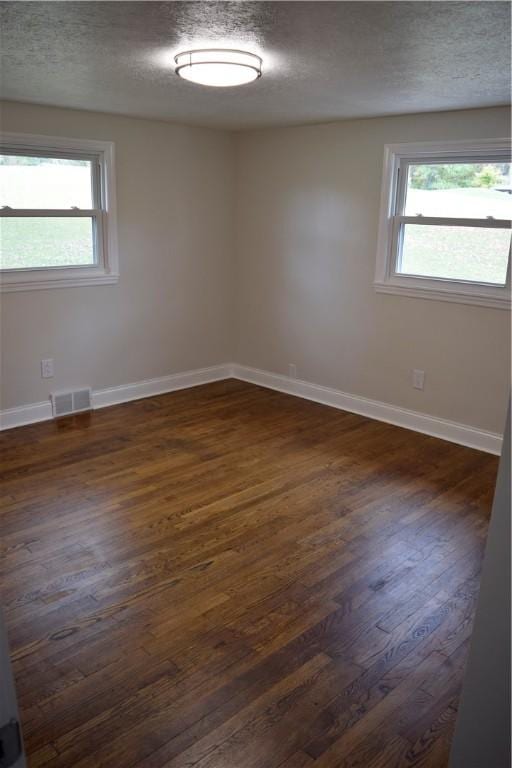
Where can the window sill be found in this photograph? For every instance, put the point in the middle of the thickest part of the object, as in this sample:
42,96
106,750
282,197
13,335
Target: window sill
72,281
475,297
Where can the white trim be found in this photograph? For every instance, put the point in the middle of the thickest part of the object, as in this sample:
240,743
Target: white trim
25,414
391,282
469,147
101,398
107,271
454,432
72,281
414,288
489,442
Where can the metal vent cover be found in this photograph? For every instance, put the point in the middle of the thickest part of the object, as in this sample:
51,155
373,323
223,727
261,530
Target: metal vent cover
64,403
82,400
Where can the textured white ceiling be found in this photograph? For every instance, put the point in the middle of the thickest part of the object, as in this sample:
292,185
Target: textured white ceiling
322,60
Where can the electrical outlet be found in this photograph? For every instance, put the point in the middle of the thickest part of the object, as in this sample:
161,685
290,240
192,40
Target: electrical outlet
292,370
418,379
47,368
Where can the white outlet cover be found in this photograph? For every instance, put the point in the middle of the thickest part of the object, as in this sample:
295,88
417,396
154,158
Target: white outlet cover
47,368
418,379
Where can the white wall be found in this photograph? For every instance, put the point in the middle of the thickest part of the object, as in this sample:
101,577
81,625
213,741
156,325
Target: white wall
305,220
172,308
307,213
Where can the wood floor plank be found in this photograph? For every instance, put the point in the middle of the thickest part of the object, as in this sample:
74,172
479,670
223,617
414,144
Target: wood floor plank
229,576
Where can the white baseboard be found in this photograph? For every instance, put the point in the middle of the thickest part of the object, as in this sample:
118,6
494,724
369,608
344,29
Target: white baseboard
101,398
25,414
150,387
490,442
392,414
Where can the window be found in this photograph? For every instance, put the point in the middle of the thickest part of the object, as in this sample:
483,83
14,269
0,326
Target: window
57,212
444,229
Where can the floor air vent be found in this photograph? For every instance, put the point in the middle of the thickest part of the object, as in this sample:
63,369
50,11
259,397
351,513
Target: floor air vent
64,403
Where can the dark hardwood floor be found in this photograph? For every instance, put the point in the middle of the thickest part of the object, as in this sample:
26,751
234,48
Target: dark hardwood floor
229,577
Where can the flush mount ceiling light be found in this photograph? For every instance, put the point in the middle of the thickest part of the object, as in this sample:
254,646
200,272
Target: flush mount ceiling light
219,67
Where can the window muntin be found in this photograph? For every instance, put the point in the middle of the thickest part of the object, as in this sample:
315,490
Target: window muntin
444,230
57,212
439,206
59,199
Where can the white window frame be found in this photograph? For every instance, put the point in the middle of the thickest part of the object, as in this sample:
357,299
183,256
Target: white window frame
106,268
397,158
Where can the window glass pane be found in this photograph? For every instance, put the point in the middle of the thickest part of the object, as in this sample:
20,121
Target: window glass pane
45,182
459,190
457,253
27,242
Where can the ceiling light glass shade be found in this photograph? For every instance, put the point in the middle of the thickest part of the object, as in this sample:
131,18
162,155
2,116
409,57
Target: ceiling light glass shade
218,67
